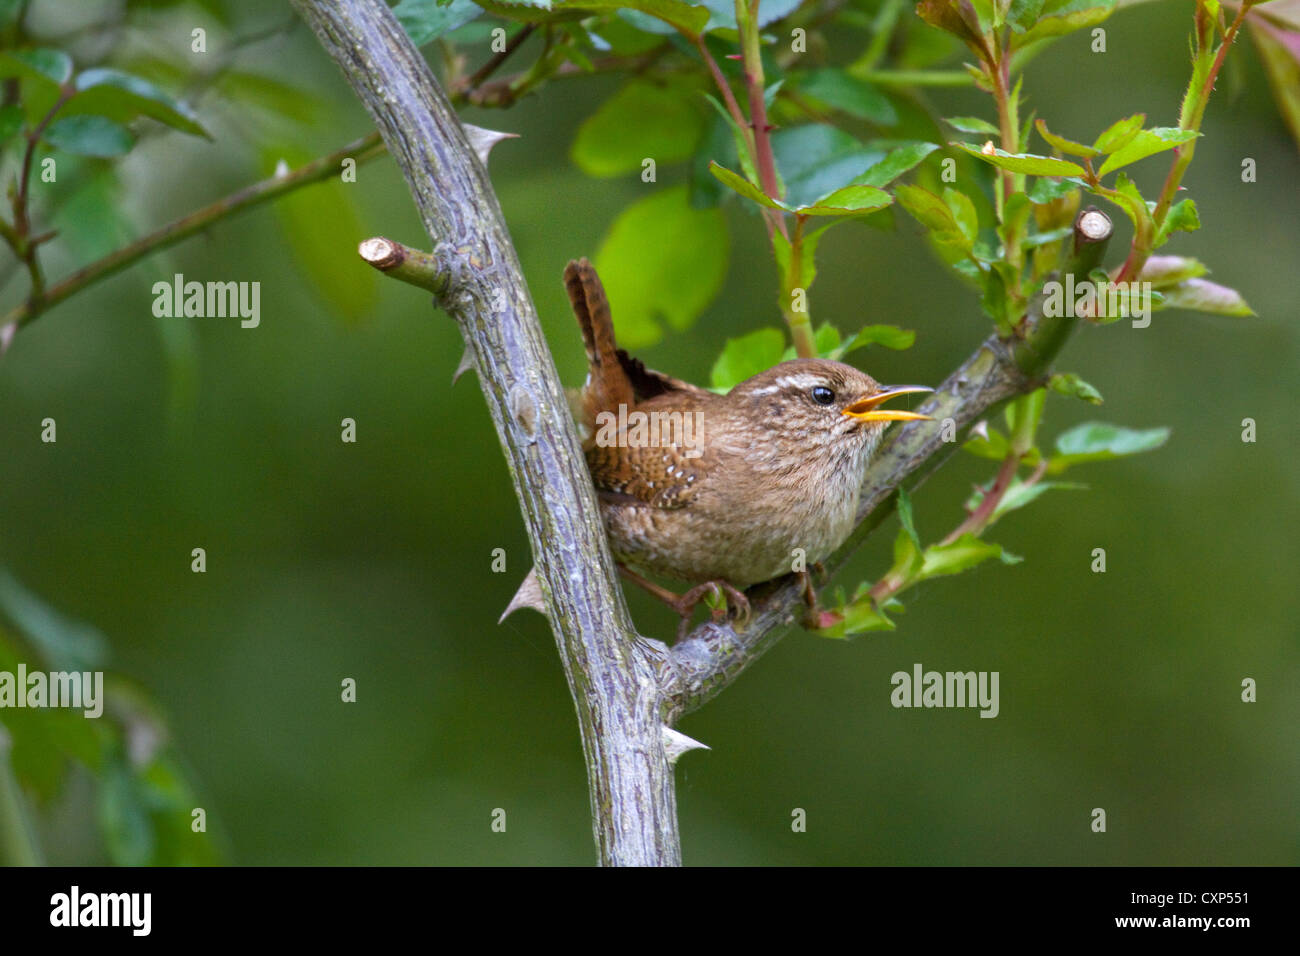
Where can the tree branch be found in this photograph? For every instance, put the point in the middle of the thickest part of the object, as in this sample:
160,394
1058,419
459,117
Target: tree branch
366,148
610,669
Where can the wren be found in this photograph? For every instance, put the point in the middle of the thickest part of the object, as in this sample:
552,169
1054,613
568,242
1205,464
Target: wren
722,491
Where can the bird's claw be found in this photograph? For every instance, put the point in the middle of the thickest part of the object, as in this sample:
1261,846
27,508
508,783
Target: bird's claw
737,605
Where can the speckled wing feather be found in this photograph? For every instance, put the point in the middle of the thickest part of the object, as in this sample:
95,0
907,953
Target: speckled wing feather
660,477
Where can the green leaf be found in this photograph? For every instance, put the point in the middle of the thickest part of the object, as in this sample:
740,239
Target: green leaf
928,209
963,212
1097,441
1120,133
1025,162
1182,217
42,72
1023,14
1046,189
737,138
849,201
122,97
44,739
996,447
746,356
826,341
948,16
1130,201
724,12
1067,383
689,19
972,124
1280,54
808,258
962,555
859,617
1043,238
1023,415
641,121
744,187
888,336
41,63
1165,271
64,643
1019,494
1202,295
848,94
1059,17
908,559
89,136
816,159
661,258
1146,143
905,517
1067,146
426,20
897,162
995,299
1015,219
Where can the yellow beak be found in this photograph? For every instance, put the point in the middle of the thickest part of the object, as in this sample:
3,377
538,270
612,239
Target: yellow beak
866,409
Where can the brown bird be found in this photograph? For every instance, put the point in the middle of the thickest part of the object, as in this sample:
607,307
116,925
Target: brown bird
722,491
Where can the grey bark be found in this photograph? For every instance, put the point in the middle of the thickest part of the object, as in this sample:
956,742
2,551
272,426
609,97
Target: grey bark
608,666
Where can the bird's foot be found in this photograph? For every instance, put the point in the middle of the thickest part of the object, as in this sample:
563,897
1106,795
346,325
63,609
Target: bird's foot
736,603
684,604
814,618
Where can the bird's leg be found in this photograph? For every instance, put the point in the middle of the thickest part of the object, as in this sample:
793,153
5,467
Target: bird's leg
819,573
684,604
814,617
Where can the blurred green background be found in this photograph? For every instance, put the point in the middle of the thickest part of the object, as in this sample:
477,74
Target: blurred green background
372,560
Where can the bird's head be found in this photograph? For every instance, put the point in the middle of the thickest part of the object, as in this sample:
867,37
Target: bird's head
821,404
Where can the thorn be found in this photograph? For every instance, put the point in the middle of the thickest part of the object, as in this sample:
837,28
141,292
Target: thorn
281,169
676,744
528,595
7,335
981,429
466,365
484,139
735,56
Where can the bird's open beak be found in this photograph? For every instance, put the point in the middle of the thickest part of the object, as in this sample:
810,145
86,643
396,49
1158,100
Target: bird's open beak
867,409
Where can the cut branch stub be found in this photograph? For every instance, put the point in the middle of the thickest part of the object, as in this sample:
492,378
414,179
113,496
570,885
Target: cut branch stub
401,262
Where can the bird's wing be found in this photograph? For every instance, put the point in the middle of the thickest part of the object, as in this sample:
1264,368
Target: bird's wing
642,465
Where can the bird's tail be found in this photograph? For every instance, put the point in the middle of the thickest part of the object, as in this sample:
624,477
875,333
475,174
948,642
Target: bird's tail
608,385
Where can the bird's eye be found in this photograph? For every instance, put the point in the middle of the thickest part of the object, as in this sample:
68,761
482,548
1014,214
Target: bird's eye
822,395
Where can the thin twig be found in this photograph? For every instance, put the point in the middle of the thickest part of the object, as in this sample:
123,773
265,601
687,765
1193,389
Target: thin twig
364,149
